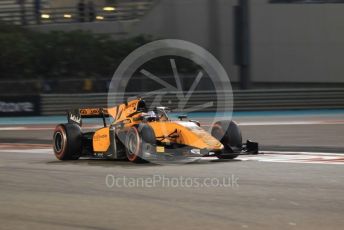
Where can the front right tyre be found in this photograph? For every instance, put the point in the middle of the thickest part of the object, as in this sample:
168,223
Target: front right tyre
229,134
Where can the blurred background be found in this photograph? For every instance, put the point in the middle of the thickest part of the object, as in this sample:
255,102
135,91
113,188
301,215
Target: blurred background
279,54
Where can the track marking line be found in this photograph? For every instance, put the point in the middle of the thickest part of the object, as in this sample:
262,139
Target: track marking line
33,151
11,128
302,153
22,146
263,123
282,123
29,128
297,157
266,156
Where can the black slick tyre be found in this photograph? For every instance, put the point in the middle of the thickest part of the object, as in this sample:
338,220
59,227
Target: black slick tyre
67,141
229,134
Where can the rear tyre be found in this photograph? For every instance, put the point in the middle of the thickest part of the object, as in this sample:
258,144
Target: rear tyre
67,142
229,134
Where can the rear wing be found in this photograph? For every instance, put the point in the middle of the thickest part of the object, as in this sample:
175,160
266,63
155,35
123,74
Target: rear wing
75,116
120,112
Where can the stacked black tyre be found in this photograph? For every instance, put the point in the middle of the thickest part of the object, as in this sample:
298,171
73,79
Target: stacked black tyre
67,142
229,134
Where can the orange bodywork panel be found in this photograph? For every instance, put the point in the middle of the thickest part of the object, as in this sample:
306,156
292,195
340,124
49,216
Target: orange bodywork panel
187,133
124,111
120,113
101,140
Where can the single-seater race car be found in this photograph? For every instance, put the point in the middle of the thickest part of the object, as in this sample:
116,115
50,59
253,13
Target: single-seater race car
140,135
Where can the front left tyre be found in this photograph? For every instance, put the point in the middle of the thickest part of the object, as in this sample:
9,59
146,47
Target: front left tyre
139,141
67,141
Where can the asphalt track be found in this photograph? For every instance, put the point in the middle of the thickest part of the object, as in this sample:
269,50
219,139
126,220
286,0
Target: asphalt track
297,183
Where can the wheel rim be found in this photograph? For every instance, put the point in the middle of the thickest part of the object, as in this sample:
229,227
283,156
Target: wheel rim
58,142
132,146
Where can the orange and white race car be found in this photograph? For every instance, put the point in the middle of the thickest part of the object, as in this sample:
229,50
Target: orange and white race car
140,135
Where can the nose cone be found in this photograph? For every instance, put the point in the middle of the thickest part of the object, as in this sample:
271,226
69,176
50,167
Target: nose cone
212,143
201,138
